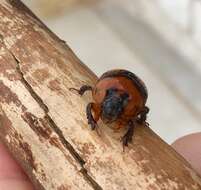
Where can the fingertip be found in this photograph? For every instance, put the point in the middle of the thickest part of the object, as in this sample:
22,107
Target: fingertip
189,147
9,168
10,184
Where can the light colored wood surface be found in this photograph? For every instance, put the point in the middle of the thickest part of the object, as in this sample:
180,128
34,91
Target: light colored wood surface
44,125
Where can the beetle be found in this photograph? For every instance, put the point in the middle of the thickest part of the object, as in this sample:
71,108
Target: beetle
119,97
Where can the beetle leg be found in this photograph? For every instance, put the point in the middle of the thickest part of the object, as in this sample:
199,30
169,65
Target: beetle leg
97,111
82,89
90,117
143,116
127,138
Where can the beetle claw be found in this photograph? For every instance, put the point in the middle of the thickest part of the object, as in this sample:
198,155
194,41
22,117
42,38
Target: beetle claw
124,143
82,89
127,138
146,124
73,89
93,124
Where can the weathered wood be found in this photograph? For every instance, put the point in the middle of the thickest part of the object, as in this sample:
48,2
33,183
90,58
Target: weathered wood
44,125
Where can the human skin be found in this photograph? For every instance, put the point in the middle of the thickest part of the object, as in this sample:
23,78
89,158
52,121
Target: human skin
12,176
189,147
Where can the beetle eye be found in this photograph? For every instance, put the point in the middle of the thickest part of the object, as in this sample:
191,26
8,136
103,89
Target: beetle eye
111,91
125,98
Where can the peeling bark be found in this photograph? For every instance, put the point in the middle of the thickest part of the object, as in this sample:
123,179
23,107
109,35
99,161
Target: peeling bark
44,125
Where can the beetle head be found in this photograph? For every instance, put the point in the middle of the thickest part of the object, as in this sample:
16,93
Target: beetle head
113,105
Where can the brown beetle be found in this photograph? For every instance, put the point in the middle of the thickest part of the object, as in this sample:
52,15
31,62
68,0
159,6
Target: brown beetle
120,97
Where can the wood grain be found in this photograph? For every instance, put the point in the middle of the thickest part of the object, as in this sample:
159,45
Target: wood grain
44,125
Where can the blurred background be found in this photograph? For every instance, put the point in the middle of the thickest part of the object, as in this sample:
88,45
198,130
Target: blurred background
159,40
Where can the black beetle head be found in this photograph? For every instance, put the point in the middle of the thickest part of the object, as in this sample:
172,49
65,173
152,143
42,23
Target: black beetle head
113,105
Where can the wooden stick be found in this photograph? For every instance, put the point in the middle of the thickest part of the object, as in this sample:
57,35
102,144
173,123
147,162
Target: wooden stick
44,125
